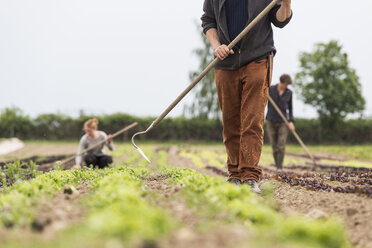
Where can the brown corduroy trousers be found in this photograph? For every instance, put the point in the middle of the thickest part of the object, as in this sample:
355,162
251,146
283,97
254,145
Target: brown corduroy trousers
242,97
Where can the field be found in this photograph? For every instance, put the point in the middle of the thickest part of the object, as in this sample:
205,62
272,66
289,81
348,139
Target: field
181,199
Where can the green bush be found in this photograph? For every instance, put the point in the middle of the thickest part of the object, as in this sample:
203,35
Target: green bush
13,123
355,131
61,127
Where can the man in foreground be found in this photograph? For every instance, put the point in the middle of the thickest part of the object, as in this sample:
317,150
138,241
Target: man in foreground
243,77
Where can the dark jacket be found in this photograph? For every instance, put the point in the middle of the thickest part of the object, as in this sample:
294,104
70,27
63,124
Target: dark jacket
257,44
283,101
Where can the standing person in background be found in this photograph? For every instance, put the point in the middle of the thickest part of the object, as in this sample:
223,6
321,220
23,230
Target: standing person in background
243,76
276,127
96,156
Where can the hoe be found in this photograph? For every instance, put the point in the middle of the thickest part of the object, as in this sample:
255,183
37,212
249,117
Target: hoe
123,130
202,74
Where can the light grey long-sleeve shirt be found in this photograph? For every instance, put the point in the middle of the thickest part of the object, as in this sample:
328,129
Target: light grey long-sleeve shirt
85,143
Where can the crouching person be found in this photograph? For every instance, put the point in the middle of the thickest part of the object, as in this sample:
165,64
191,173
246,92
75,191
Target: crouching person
97,156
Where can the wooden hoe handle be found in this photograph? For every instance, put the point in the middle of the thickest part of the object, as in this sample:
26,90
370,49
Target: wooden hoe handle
293,131
214,62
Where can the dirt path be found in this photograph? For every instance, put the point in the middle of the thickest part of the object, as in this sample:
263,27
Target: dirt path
354,210
319,156
177,161
63,211
219,236
51,217
30,150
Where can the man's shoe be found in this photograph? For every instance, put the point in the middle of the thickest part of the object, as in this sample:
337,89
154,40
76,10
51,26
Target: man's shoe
254,186
234,180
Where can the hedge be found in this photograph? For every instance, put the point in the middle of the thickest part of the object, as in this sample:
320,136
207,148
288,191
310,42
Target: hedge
62,127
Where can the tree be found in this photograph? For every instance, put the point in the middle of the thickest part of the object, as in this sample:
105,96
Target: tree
205,103
328,83
13,123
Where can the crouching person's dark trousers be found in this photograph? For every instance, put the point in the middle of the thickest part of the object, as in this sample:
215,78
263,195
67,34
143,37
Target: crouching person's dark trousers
100,161
278,133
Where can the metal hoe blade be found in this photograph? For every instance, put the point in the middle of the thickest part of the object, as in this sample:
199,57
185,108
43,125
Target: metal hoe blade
203,73
139,149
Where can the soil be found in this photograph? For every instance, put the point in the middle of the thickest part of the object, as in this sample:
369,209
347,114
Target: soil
320,155
354,210
219,236
44,155
177,161
64,210
51,216
40,160
40,150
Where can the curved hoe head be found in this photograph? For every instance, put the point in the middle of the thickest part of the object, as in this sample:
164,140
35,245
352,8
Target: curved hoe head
139,149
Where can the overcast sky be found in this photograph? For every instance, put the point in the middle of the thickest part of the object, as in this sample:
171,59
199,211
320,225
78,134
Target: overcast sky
134,56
